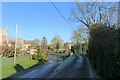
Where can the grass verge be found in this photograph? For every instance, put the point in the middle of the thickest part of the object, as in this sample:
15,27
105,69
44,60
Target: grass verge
23,62
65,63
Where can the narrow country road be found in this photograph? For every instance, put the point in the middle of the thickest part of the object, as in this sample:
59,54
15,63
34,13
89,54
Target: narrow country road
40,72
78,67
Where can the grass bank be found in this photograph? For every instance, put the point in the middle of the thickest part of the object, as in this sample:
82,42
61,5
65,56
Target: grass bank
23,62
65,63
61,55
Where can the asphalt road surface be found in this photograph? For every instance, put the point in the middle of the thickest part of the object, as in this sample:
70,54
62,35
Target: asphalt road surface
78,68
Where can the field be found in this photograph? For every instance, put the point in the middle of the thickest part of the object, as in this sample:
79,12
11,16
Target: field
23,62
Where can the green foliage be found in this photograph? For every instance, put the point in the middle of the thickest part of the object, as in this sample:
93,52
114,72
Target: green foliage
118,41
103,50
79,48
44,45
41,57
57,46
76,49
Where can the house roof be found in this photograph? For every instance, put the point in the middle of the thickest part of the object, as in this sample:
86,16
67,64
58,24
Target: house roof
27,42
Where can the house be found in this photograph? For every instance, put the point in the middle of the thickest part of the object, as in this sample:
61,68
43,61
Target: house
27,44
32,51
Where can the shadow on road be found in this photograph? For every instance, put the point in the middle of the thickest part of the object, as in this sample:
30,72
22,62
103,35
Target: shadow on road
18,68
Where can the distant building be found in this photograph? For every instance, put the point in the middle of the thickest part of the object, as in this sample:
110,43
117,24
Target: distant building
27,44
28,47
32,51
3,36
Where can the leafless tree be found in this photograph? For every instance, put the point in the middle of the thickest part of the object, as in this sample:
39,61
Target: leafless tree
57,40
90,13
35,42
80,35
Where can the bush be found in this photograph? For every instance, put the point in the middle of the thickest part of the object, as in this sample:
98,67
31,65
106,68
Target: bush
41,57
103,50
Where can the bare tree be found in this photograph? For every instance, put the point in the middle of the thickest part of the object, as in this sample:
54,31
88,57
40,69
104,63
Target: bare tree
90,13
80,38
57,42
79,35
35,42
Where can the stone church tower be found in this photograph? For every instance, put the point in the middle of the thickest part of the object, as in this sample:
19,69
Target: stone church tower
3,36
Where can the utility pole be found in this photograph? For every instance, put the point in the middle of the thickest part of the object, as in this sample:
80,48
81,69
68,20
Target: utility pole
15,45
